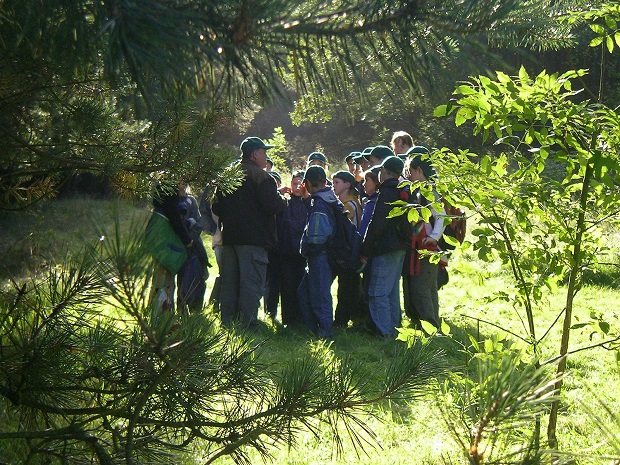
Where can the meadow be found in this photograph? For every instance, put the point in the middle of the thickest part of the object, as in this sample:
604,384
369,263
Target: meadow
411,431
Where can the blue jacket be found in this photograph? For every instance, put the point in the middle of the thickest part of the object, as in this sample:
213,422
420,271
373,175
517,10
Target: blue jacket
369,207
321,222
291,224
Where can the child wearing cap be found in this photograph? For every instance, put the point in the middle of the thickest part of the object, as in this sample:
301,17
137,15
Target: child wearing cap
420,282
272,280
349,283
315,296
291,224
384,245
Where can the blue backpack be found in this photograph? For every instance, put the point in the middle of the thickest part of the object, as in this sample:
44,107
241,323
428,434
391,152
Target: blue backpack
343,246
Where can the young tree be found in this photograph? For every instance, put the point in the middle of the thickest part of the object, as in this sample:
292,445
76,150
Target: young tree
543,203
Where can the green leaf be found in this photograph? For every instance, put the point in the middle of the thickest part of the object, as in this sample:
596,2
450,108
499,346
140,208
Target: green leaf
604,326
610,44
474,343
413,216
464,90
462,115
445,328
596,41
440,111
397,211
610,22
617,38
428,327
523,76
426,214
597,28
485,163
579,325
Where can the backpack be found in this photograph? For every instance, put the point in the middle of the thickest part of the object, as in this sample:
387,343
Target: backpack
344,244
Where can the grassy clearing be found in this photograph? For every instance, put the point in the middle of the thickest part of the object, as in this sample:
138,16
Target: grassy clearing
406,432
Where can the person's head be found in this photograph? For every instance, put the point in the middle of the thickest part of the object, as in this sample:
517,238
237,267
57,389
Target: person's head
371,180
275,175
401,142
420,168
343,183
314,178
269,166
184,188
297,179
364,162
391,167
317,159
350,160
378,154
255,150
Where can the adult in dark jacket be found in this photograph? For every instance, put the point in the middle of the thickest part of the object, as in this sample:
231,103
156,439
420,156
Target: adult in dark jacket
248,218
385,244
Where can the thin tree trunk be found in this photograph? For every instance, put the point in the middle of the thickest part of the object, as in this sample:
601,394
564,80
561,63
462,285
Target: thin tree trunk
570,296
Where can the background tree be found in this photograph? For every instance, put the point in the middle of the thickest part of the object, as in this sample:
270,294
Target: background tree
103,85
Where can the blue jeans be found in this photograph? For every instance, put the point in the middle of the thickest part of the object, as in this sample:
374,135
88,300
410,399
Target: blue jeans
315,296
384,293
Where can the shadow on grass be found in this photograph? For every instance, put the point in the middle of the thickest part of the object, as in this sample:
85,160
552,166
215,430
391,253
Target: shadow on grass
607,275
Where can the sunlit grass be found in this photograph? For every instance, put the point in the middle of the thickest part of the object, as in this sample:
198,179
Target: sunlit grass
405,432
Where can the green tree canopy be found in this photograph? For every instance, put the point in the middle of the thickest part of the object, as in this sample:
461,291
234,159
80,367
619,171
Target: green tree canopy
99,85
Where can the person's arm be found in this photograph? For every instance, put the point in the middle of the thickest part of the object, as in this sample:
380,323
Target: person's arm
268,196
376,226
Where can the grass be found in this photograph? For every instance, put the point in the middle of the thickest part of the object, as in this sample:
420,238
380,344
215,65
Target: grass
406,432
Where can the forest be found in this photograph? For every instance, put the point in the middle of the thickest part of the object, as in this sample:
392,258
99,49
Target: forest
517,101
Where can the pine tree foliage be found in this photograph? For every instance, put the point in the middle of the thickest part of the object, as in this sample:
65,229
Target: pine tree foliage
92,84
90,374
493,411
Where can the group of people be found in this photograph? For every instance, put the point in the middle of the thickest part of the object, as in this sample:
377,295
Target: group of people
273,242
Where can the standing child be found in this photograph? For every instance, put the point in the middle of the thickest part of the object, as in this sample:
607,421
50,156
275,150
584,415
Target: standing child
420,286
166,238
385,243
371,188
349,305
192,277
291,223
315,296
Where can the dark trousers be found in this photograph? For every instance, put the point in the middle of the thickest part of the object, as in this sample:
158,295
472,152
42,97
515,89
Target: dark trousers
272,285
243,284
350,305
292,270
420,294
